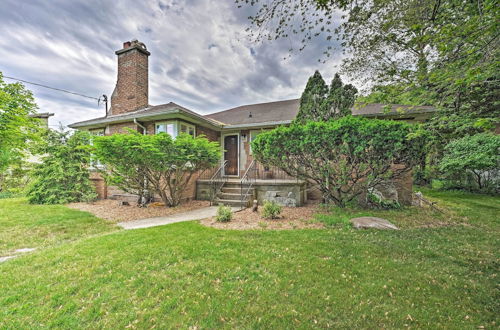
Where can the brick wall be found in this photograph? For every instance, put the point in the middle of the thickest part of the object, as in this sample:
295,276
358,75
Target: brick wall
209,134
122,128
131,91
99,184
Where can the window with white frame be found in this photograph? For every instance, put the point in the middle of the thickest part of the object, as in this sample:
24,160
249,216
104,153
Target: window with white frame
168,127
174,128
95,163
186,128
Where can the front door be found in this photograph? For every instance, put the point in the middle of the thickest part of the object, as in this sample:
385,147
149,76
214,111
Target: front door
231,154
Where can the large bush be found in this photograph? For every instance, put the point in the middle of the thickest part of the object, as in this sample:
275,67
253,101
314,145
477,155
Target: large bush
473,162
63,174
344,157
140,162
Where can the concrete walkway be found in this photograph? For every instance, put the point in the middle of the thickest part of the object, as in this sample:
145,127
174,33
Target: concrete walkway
197,214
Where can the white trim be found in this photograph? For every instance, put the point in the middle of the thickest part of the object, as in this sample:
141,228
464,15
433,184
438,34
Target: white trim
223,151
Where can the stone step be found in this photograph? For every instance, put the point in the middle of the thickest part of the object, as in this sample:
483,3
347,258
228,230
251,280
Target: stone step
237,190
232,196
229,202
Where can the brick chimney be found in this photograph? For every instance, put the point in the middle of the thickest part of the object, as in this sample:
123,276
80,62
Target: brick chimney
131,90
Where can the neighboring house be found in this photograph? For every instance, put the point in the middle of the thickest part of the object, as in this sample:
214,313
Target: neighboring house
234,129
43,117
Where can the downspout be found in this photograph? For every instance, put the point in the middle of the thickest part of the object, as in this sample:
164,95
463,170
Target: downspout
144,131
145,190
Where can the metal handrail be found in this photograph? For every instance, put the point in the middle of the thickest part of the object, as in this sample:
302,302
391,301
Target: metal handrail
247,179
217,181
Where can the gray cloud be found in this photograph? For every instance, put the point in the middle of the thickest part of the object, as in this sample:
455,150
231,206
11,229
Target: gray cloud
201,56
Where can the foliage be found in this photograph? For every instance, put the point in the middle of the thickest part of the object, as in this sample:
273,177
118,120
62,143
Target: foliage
63,175
16,178
344,157
224,214
321,103
474,157
375,200
271,210
300,278
126,160
312,101
157,162
16,125
433,52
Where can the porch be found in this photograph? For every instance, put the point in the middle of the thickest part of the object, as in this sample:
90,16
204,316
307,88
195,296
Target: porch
258,182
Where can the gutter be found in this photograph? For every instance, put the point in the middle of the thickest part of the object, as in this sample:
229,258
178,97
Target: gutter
144,130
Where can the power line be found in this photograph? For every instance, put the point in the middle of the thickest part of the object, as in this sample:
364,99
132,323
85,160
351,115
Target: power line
54,88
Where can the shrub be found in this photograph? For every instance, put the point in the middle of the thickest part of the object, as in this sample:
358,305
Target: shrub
345,157
63,175
224,214
137,162
271,210
473,162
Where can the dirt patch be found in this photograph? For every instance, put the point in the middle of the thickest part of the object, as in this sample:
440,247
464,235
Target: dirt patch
111,210
290,218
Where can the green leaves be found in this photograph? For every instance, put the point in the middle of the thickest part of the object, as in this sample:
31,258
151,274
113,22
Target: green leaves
142,163
478,155
63,175
344,157
320,103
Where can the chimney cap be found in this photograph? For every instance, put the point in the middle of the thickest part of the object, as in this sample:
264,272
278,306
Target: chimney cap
133,44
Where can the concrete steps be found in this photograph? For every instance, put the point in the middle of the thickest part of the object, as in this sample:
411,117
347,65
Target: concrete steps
230,195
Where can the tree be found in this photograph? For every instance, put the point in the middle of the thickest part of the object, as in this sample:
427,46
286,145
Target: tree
63,175
164,164
340,99
344,157
445,51
16,125
477,156
312,101
320,103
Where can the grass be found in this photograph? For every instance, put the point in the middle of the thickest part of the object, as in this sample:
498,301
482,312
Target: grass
186,275
26,226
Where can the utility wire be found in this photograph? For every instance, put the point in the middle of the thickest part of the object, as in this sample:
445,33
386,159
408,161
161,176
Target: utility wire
54,88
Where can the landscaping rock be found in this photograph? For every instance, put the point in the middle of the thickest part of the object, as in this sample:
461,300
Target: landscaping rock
372,222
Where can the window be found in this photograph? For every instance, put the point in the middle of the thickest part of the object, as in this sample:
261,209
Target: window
95,163
167,127
174,128
186,128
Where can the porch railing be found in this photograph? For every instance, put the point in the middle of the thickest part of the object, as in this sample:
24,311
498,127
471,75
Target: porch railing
247,181
271,173
217,181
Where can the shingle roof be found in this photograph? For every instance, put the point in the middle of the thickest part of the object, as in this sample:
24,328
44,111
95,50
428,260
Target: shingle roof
146,112
270,113
286,110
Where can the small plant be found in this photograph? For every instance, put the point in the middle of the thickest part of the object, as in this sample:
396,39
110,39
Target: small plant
271,210
224,214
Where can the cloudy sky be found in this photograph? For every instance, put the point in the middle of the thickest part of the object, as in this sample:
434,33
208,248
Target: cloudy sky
201,56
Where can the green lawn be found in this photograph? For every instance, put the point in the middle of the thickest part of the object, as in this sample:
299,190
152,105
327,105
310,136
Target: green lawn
186,275
34,226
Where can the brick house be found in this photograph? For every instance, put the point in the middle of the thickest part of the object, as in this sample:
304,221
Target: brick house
239,178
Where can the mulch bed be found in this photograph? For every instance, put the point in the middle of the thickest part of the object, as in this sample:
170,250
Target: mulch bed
111,209
290,218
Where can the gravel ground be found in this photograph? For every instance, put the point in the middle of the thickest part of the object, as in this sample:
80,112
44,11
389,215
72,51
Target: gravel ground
111,210
291,218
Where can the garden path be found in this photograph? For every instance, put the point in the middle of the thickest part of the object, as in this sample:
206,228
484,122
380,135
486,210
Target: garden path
198,214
